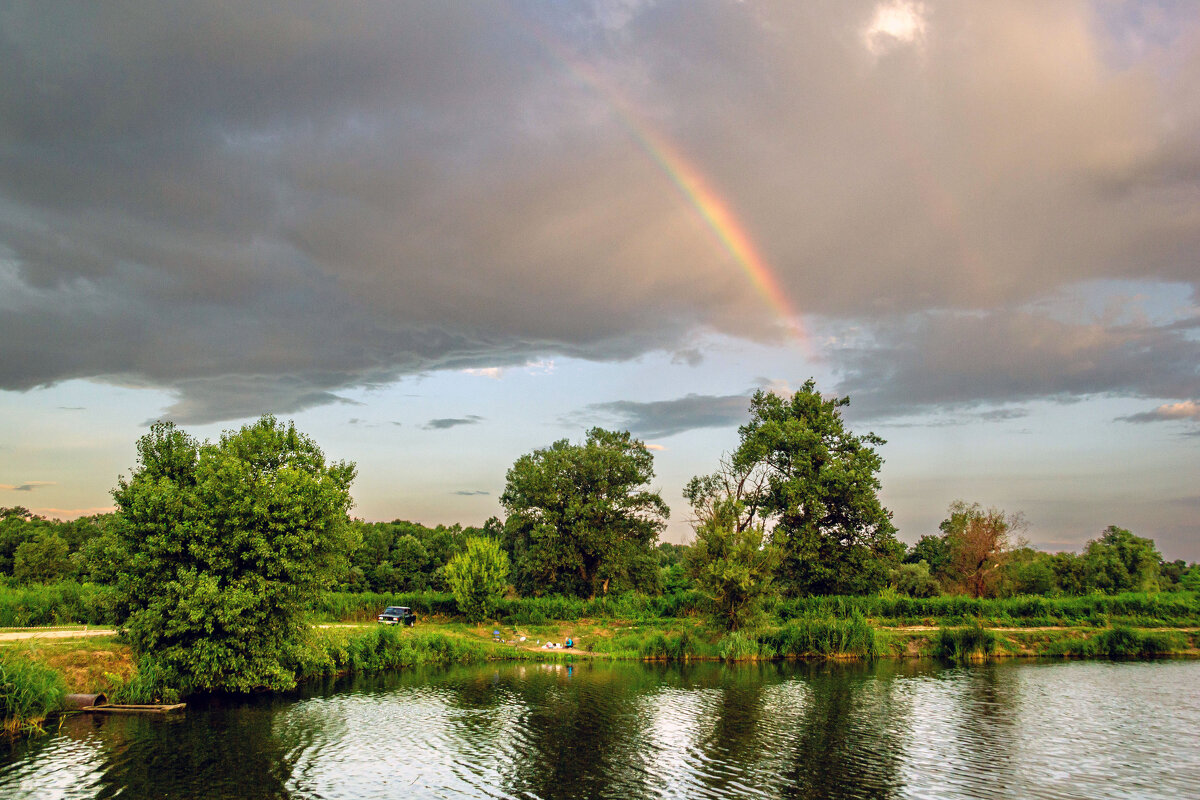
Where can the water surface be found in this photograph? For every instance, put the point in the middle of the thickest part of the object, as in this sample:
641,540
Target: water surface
889,730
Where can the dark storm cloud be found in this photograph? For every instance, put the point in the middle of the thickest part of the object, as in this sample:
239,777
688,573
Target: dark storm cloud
662,418
260,206
451,422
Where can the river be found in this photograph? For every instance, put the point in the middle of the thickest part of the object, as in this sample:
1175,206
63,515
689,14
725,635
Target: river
597,730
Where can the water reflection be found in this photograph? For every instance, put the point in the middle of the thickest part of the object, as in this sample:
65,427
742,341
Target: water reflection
1065,730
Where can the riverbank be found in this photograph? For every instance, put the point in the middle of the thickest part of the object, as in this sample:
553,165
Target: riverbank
104,663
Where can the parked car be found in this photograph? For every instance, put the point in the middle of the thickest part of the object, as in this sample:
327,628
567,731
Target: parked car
398,615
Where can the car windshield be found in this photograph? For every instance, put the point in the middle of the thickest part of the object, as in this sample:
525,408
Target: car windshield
394,611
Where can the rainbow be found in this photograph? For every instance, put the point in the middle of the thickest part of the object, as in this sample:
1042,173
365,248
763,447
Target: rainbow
720,220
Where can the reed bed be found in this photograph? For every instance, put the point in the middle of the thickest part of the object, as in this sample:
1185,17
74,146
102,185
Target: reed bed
29,691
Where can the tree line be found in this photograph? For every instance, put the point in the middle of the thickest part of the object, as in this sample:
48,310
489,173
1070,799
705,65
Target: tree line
216,549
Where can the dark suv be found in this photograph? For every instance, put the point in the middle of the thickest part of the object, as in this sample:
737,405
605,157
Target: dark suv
402,615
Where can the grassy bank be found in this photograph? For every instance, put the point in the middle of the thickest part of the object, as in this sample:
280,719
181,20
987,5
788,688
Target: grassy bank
34,675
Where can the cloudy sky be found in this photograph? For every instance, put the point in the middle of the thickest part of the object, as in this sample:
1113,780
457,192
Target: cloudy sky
440,235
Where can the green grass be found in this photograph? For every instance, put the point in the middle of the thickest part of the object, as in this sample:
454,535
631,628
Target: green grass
338,651
1119,642
1139,609
57,604
29,691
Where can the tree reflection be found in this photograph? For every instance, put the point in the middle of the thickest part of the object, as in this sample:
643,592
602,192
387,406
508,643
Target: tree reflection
577,731
234,755
850,742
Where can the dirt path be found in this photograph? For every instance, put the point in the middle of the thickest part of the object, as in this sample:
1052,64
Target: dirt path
12,636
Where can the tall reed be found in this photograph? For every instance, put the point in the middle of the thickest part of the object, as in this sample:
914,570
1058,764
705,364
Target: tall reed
28,692
961,645
826,637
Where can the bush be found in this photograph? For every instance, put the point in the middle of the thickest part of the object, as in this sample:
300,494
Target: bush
478,577
28,692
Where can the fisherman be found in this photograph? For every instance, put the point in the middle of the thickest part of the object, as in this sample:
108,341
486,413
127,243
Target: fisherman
570,642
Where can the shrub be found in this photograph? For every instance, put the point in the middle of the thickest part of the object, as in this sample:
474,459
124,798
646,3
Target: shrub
478,577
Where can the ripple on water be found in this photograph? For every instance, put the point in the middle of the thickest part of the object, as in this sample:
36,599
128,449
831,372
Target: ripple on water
1060,730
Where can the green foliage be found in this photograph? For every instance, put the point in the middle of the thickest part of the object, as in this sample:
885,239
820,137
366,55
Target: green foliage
1028,571
1120,641
932,550
1175,608
1191,579
226,545
50,550
681,646
1120,562
28,692
579,518
732,569
366,606
478,577
914,580
402,556
739,646
65,603
964,644
43,559
387,647
817,484
150,683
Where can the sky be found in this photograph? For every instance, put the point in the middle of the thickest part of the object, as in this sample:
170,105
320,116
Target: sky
441,235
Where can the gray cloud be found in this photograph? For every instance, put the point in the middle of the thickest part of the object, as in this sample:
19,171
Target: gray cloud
258,208
28,486
954,420
451,422
953,360
662,418
1185,410
471,493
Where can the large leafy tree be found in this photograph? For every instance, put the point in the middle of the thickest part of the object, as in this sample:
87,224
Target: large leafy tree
579,515
1119,561
226,544
814,484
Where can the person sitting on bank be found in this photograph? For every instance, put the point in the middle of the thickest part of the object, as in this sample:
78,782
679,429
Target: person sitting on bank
570,642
